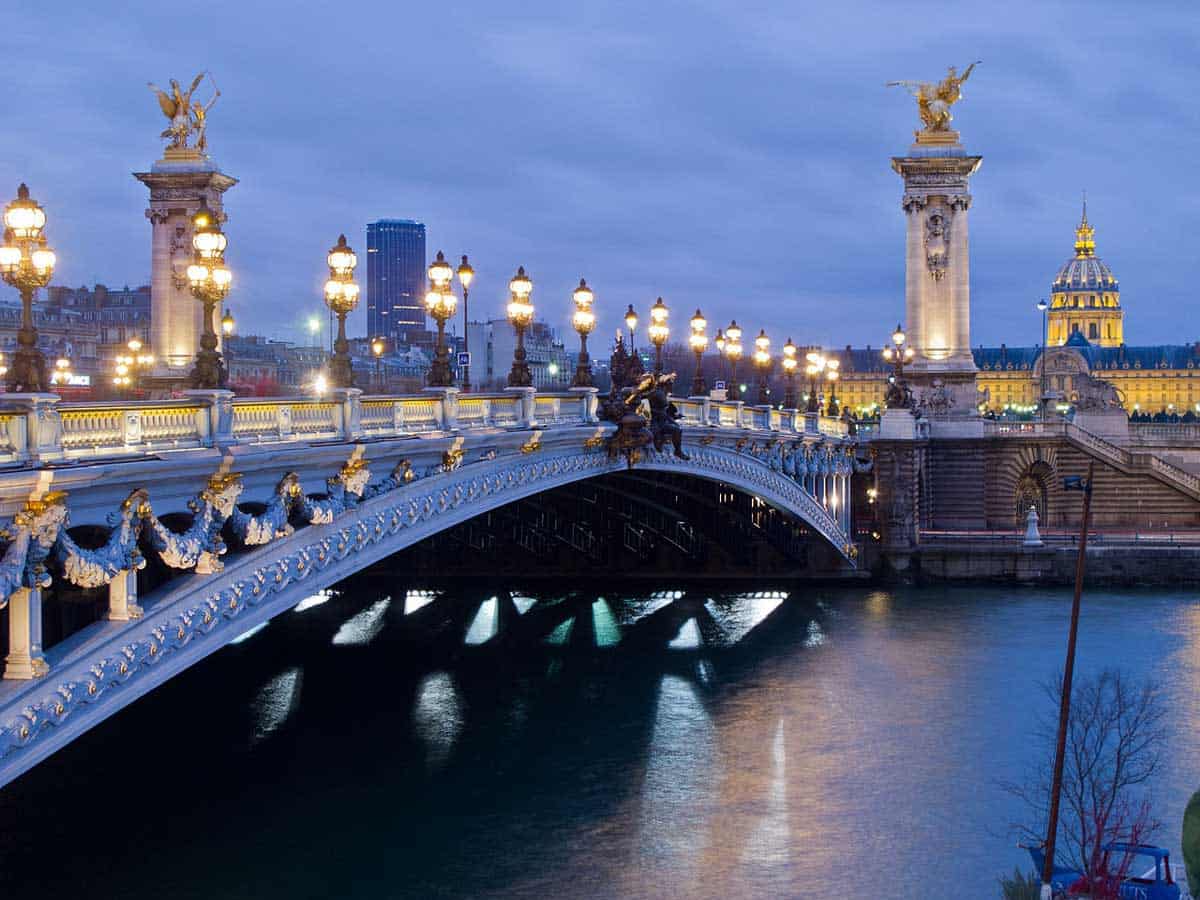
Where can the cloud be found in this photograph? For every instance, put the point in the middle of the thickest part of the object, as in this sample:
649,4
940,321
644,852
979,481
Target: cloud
732,157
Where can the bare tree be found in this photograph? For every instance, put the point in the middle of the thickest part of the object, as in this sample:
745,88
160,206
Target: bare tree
1115,739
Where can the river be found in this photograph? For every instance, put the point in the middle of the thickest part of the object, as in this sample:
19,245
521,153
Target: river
670,741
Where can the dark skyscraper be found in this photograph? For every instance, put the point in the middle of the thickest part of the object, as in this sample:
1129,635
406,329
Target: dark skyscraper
395,278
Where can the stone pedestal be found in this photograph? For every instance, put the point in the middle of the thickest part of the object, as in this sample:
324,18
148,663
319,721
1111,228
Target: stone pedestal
897,425
1110,424
588,403
528,404
25,660
937,277
177,182
448,397
937,271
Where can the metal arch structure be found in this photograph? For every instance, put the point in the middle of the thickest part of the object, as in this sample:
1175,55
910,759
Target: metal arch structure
437,481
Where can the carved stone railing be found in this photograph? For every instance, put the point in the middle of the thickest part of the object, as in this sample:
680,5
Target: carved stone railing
37,428
1165,434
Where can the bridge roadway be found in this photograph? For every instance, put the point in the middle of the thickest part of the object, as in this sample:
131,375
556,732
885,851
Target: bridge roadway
306,491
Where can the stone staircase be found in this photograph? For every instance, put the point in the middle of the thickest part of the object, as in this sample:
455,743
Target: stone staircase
1133,462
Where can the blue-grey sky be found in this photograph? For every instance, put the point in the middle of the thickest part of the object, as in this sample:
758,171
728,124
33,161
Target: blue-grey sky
727,155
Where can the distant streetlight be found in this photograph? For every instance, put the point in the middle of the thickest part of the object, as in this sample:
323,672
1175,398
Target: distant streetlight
62,371
658,332
341,296
129,366
631,320
465,276
27,264
814,369
227,323
699,343
733,352
1043,306
832,374
377,348
762,361
584,321
520,314
789,363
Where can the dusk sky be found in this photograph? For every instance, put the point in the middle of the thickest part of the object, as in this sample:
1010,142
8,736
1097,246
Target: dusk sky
731,156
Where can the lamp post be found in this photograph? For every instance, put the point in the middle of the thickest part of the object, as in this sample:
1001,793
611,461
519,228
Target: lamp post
377,348
733,351
1043,306
227,323
465,276
62,371
584,321
814,369
658,332
762,361
699,342
26,263
789,373
520,314
440,303
631,320
129,366
898,354
209,279
341,296
719,343
831,375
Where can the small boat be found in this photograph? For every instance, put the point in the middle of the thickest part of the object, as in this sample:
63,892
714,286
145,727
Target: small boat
1156,883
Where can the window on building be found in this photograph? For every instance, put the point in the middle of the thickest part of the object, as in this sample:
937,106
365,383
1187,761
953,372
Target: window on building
1093,331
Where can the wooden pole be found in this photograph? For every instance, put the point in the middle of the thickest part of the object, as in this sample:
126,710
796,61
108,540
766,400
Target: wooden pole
1064,706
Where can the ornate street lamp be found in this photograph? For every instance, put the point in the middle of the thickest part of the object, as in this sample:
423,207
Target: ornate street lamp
440,303
62,371
341,296
227,323
658,332
789,363
520,314
377,348
699,343
831,374
733,350
209,279
465,276
584,321
898,354
814,369
762,361
631,320
128,367
26,263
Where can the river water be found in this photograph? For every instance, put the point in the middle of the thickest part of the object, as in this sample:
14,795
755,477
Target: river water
672,741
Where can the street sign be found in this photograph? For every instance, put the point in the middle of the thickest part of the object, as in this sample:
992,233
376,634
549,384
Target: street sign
464,359
719,386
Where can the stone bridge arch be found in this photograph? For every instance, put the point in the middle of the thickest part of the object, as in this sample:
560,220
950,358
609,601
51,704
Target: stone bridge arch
197,614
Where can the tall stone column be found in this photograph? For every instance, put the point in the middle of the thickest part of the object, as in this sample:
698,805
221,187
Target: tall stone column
177,182
937,277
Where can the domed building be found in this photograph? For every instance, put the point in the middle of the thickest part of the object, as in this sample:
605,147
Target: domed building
1084,297
1085,337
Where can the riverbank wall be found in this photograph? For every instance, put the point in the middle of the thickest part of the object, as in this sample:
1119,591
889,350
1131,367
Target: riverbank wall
1107,565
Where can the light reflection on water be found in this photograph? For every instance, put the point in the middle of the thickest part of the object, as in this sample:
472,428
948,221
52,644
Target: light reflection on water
827,743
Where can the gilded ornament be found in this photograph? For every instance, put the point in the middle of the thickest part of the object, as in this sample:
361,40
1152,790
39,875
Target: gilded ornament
934,100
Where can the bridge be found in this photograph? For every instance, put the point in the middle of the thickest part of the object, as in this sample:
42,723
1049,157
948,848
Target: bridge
235,509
